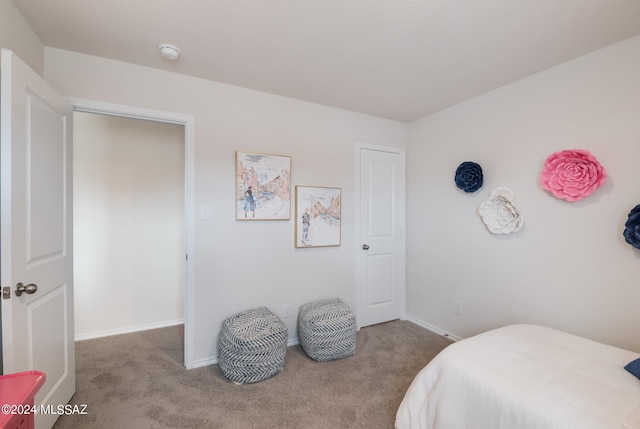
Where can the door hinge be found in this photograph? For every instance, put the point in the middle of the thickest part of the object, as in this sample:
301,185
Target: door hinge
6,293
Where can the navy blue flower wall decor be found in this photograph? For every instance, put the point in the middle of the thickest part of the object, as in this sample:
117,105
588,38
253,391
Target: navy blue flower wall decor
469,176
632,228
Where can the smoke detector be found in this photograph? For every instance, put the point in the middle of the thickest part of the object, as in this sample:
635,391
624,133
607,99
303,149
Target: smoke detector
169,51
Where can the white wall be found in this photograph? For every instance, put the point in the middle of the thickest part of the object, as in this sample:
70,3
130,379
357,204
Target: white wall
239,265
17,35
128,224
569,267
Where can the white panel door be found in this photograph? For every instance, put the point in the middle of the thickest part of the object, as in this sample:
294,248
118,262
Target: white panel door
36,223
381,261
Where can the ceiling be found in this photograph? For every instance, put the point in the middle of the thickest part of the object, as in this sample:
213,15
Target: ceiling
397,59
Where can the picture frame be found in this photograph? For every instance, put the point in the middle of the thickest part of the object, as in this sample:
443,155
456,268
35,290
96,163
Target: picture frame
318,216
263,186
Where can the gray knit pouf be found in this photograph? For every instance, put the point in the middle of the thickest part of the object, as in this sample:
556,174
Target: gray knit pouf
252,346
327,329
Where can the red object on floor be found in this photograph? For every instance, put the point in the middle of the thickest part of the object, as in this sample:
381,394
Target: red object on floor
17,392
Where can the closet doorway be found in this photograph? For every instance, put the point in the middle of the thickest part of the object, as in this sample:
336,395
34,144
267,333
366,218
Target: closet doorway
131,228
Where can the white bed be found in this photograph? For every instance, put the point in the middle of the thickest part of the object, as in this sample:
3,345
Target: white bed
524,377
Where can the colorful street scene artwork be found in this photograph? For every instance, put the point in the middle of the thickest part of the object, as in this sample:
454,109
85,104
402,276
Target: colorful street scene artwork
263,186
317,216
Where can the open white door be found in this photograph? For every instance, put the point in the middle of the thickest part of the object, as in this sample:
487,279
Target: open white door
381,253
36,228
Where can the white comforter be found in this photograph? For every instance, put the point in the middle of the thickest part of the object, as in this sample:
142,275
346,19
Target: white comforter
522,377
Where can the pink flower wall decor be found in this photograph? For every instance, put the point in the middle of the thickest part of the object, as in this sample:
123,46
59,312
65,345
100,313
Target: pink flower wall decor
572,174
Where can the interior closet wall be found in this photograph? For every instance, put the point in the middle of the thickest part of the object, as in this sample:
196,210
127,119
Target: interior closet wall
129,224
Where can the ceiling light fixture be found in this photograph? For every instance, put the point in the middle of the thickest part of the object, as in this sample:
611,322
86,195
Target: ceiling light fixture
169,51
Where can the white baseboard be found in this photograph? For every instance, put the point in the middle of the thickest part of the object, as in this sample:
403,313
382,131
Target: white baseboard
204,362
433,329
293,342
128,330
296,341
214,360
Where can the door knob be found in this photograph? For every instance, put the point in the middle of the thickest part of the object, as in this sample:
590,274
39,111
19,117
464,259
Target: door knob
365,247
28,289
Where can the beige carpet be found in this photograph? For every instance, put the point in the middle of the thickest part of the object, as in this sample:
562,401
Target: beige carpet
138,381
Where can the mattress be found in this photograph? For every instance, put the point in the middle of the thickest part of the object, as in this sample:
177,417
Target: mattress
520,377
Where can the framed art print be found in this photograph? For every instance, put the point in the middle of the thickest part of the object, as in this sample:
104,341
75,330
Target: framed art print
263,186
318,216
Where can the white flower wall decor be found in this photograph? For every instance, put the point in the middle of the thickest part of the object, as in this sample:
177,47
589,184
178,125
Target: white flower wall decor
499,213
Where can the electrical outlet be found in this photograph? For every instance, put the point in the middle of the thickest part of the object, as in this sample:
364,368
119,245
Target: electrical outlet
287,310
457,308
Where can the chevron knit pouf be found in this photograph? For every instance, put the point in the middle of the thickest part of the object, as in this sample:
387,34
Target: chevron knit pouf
252,346
327,329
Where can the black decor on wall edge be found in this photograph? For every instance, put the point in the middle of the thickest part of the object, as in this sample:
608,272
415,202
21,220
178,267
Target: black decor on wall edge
469,176
632,228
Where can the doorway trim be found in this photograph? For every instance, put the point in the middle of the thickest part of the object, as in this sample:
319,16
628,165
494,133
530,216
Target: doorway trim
188,121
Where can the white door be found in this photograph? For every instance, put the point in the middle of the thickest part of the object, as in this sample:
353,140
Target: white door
36,222
382,241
